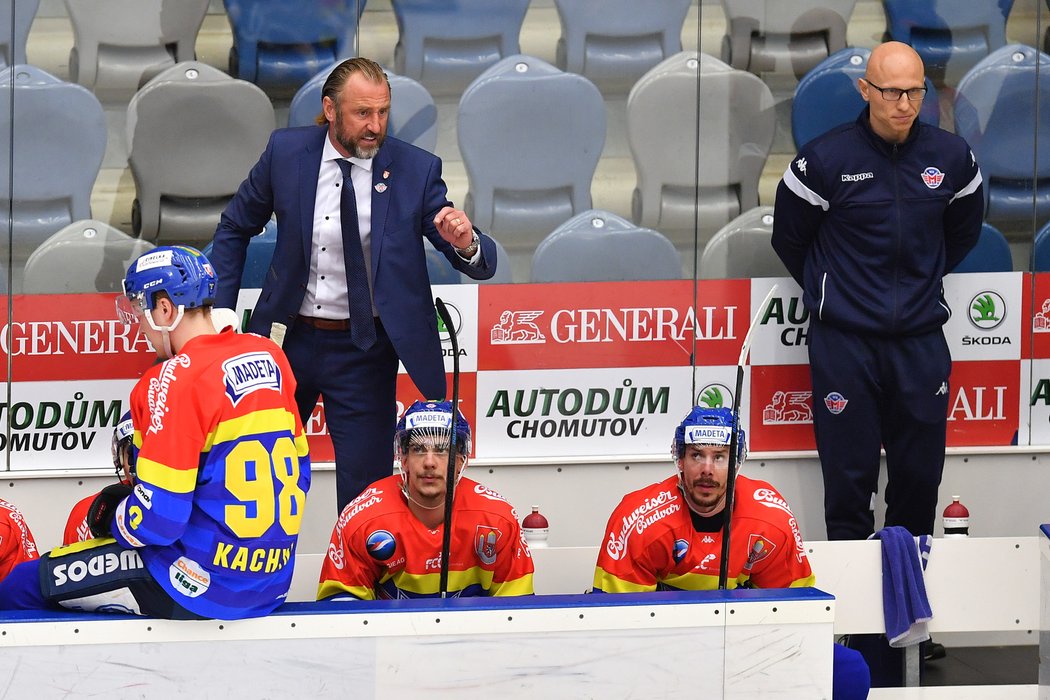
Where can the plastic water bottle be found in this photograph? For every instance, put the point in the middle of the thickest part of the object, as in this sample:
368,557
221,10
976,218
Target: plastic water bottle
536,528
956,519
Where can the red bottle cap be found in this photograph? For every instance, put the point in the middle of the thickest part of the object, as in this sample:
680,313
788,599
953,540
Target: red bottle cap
535,520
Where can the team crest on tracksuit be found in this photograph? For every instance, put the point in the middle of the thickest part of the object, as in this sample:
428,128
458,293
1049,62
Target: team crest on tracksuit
485,539
933,177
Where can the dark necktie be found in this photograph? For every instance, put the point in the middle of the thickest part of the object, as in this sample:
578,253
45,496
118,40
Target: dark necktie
362,326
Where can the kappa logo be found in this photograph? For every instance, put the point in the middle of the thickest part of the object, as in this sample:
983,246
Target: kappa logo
788,407
987,310
933,177
835,402
801,165
708,539
715,396
517,328
942,390
857,177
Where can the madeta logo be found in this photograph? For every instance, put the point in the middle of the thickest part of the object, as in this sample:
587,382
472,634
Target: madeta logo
987,310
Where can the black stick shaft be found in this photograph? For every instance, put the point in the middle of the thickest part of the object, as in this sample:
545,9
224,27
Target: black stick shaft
450,474
723,561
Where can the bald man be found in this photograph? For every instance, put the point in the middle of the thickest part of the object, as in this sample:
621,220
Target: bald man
869,218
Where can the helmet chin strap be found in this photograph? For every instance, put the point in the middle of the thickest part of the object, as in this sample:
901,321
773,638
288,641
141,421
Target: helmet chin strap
165,331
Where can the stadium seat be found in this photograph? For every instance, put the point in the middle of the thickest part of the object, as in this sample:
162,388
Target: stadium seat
598,246
413,115
991,254
1041,250
258,257
438,268
280,44
14,29
774,36
120,44
86,256
950,35
673,195
742,249
55,158
828,96
530,136
612,43
996,108
447,44
193,134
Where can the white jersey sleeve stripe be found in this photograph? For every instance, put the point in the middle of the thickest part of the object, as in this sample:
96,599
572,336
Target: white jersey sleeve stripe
970,188
803,192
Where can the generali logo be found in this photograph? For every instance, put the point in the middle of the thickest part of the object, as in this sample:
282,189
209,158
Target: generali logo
786,407
606,325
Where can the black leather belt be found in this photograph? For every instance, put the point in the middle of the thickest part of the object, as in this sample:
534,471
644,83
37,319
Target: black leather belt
326,324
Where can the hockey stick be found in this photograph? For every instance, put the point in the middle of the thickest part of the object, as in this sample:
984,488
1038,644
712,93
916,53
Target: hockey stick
723,562
450,474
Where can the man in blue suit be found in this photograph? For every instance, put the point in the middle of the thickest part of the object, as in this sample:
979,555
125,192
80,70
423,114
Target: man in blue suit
349,278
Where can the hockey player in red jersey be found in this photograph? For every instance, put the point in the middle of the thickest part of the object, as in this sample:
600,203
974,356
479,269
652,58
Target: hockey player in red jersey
668,536
16,541
123,449
387,541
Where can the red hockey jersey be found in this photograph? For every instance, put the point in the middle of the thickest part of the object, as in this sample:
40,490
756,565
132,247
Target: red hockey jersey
380,550
16,541
651,543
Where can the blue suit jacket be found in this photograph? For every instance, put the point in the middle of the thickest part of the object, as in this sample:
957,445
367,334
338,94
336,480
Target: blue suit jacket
284,182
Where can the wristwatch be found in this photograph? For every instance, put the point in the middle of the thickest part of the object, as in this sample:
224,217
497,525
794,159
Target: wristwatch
469,252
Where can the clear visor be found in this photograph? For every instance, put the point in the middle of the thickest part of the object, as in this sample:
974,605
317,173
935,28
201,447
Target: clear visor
131,308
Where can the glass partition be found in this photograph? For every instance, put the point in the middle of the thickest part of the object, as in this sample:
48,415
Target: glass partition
624,155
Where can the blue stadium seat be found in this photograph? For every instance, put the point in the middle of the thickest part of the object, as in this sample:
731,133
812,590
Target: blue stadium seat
612,43
258,257
413,115
599,246
530,136
774,36
991,254
996,107
445,44
439,269
504,269
950,35
55,158
280,44
828,96
1041,250
14,29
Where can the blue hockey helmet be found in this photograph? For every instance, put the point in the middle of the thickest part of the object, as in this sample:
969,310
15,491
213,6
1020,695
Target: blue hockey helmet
182,272
123,444
426,420
709,426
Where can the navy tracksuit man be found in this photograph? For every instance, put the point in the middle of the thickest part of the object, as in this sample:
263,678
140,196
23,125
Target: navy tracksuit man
868,226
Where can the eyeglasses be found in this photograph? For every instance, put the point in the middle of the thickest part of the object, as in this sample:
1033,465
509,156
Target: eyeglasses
894,94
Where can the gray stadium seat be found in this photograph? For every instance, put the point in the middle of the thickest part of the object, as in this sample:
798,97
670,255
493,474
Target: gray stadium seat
774,36
742,249
413,115
531,137
614,42
60,140
14,29
86,256
598,246
120,44
446,44
737,121
193,134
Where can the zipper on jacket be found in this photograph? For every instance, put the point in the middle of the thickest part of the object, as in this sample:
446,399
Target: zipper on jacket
897,258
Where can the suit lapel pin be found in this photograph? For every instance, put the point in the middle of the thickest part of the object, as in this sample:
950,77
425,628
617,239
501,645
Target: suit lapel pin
386,174
381,187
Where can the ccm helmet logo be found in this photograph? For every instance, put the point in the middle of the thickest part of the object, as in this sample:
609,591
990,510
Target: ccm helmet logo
154,283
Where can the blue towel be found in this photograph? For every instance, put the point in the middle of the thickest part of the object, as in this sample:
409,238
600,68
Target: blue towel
904,601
